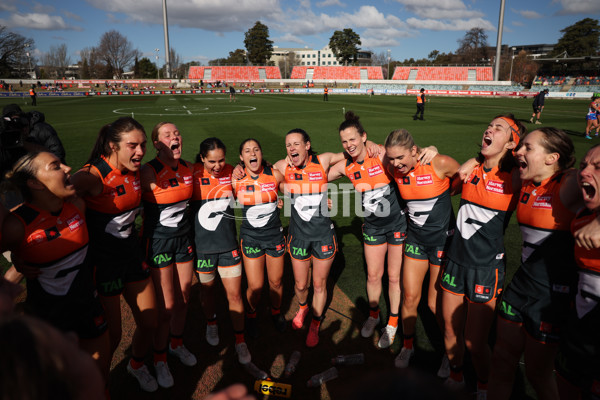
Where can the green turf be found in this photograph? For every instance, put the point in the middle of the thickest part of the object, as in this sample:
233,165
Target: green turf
454,125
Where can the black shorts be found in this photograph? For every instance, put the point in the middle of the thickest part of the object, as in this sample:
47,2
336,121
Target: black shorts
537,109
372,236
161,253
434,254
229,264
304,250
115,268
253,248
478,285
542,310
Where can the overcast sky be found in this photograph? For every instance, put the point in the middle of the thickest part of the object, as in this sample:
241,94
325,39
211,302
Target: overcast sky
201,30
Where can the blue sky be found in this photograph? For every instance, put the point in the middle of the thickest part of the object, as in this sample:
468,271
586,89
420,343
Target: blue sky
201,30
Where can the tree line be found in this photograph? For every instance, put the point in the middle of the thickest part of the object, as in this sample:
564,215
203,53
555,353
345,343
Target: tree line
114,55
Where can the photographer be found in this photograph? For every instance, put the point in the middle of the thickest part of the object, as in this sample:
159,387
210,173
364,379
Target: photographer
39,132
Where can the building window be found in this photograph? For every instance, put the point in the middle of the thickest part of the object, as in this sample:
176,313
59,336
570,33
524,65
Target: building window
328,62
314,56
302,55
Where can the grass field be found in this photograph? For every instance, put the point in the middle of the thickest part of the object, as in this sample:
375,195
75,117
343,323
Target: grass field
454,125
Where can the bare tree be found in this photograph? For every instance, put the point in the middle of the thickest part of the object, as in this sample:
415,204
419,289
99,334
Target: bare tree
117,51
14,50
93,66
57,59
473,46
176,65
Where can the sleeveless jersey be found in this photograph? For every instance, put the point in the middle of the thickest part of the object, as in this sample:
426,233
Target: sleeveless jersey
487,203
378,193
308,192
212,206
112,213
258,197
165,207
428,201
57,245
547,255
588,260
591,110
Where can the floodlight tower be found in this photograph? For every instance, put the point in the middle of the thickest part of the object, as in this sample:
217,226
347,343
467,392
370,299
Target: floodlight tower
167,49
499,42
157,68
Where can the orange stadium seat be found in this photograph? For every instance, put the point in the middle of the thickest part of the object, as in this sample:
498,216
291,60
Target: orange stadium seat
336,73
443,73
235,74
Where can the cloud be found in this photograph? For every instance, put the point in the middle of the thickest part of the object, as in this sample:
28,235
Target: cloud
59,38
578,6
71,15
42,8
529,14
457,25
440,9
218,16
385,37
517,23
289,37
8,6
327,3
39,21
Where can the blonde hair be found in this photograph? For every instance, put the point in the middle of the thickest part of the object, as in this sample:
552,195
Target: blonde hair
402,138
23,171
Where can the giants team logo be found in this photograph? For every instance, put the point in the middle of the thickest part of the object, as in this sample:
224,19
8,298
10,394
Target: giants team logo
423,180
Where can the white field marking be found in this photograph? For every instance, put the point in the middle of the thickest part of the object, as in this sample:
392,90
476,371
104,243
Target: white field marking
179,111
189,112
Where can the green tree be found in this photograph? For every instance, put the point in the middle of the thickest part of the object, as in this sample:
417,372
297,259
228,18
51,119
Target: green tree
473,46
13,52
146,68
258,46
344,45
237,57
580,39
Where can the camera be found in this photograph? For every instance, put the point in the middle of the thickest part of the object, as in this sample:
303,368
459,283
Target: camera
11,132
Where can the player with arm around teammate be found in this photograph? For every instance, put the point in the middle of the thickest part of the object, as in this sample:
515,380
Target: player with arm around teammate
533,310
425,187
261,235
166,189
110,186
216,241
473,275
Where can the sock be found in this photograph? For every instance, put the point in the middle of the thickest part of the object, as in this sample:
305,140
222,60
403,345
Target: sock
160,355
176,341
482,385
136,363
251,314
106,393
275,311
408,341
393,321
374,312
316,321
239,337
303,305
212,321
456,373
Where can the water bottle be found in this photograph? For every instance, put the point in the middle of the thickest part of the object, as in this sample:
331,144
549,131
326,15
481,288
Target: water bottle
349,359
290,367
327,375
255,371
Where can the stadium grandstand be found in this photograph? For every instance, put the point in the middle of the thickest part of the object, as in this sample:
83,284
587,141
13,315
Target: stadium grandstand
234,74
461,74
337,73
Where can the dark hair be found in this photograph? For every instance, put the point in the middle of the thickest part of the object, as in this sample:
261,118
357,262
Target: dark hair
557,141
22,171
508,160
32,368
305,138
112,133
264,162
209,144
352,120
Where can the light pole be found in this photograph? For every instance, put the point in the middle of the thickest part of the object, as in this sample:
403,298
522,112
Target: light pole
511,63
389,56
157,69
26,46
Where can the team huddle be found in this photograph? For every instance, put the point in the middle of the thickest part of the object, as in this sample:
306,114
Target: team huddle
74,239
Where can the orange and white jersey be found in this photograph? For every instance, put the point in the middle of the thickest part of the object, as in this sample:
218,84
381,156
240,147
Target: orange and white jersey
427,198
258,196
56,244
545,222
114,210
212,206
307,187
378,192
488,200
165,206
